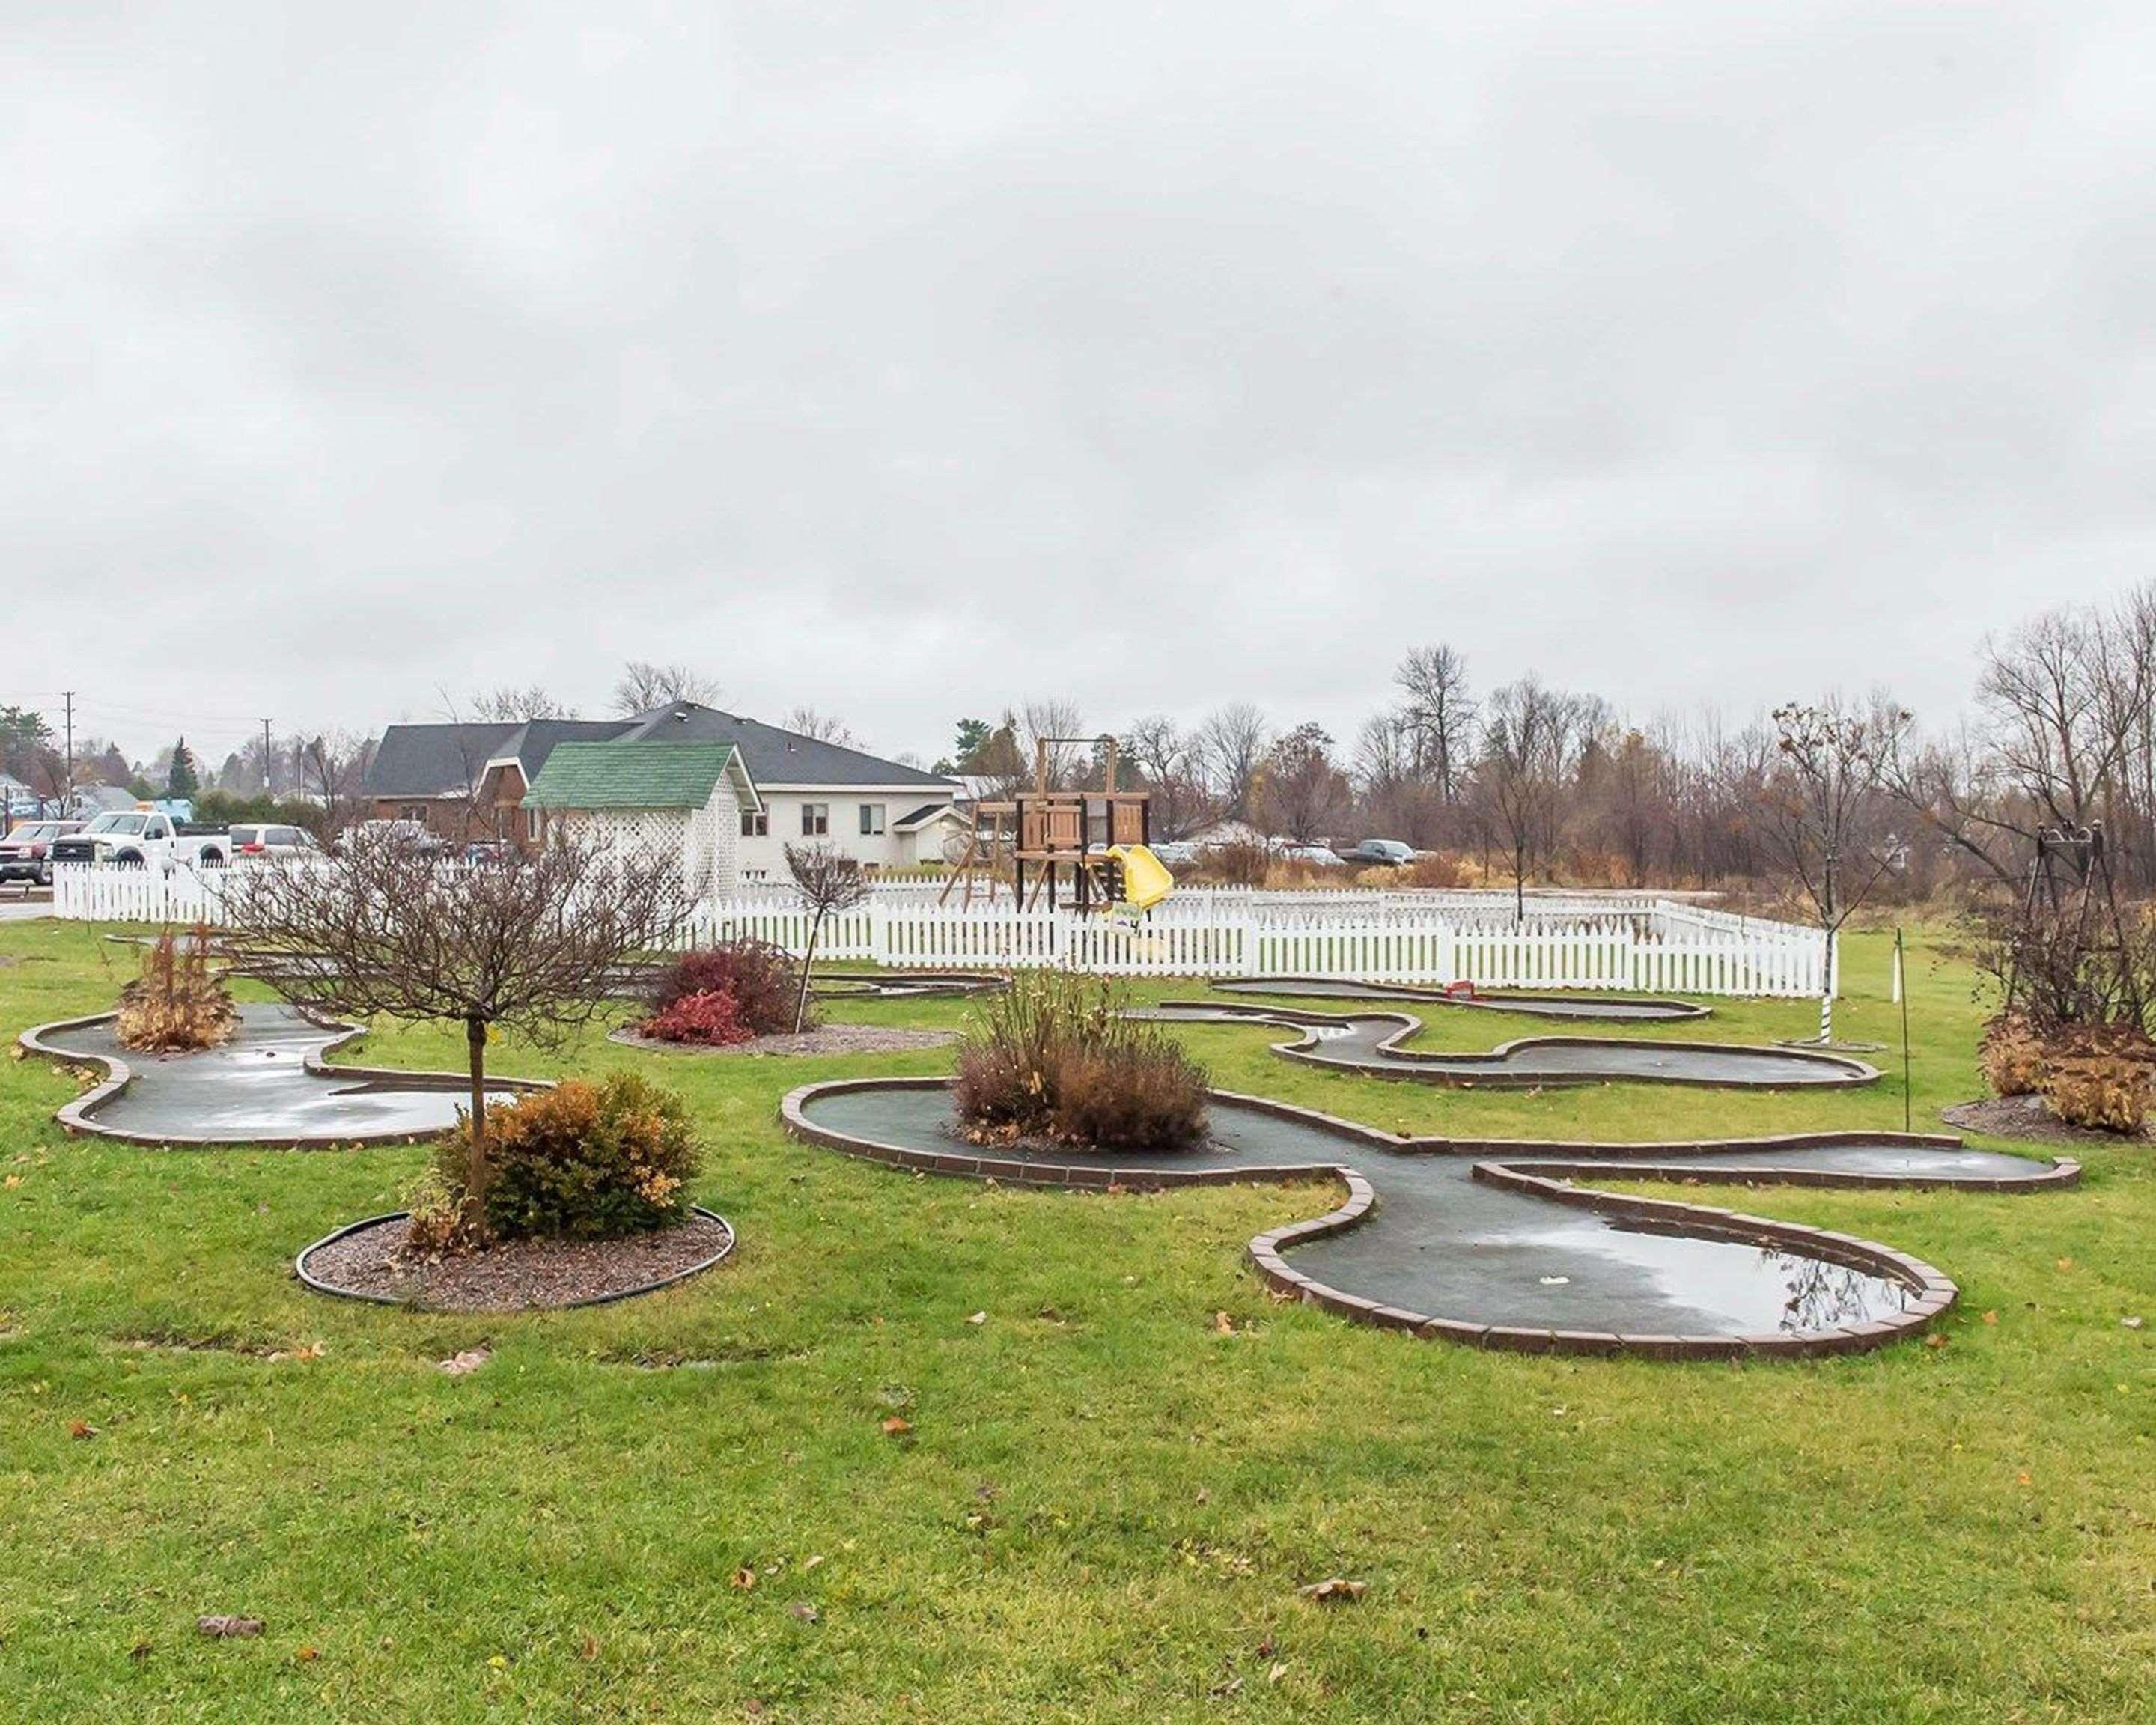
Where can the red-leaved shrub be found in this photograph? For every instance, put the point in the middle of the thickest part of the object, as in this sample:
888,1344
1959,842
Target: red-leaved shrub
711,1018
763,980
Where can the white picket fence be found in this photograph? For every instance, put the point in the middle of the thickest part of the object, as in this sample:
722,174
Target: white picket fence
1636,942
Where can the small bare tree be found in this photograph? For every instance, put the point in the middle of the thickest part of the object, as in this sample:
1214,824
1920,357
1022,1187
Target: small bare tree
531,942
643,685
828,881
1820,811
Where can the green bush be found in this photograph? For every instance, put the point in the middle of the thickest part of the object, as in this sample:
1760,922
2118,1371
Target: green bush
1053,1058
584,1161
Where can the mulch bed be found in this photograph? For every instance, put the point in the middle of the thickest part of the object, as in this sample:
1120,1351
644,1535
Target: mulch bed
521,1276
2027,1118
826,1039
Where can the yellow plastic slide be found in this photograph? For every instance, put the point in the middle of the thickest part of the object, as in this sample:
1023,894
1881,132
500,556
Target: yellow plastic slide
1146,879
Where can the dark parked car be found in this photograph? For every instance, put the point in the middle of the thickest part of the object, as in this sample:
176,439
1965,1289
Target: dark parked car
26,852
1382,850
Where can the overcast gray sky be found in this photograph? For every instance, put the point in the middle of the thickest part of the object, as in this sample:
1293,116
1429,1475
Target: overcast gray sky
908,361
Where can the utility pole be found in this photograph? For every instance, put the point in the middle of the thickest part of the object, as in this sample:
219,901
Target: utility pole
268,761
67,784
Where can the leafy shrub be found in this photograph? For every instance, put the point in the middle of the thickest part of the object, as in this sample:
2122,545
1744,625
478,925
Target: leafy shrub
2011,1056
177,1002
2098,1077
762,980
582,1161
1053,1058
710,1020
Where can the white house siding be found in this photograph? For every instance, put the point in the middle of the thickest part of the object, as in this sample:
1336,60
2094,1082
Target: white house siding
764,857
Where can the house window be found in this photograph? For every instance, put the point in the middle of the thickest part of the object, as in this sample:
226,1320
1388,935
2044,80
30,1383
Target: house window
815,820
756,823
871,820
532,824
413,811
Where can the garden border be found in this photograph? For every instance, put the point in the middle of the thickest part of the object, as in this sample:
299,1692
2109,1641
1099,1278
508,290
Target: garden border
318,1285
1936,1291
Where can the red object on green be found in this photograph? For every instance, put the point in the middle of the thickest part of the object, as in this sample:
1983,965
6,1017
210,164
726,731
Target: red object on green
712,1018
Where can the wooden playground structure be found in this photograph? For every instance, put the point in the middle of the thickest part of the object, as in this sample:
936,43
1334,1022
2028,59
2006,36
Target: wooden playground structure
1089,849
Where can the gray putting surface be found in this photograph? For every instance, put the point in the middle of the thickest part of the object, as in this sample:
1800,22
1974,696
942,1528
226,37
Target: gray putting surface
1445,1244
1370,1043
1606,1007
256,1088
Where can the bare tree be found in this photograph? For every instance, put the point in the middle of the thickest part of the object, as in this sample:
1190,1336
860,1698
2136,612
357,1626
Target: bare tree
511,705
1060,724
1818,813
1438,717
828,881
530,943
1521,773
643,685
1232,742
823,727
1301,792
1167,758
334,766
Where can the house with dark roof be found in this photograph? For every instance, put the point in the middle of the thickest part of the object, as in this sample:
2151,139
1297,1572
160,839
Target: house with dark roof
471,781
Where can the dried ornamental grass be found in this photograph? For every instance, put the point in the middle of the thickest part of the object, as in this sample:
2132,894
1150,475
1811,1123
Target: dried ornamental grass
178,1003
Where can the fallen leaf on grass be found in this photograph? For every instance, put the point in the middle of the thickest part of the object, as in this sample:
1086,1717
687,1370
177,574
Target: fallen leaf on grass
2065,1263
1222,1325
1935,1340
895,1426
1278,1671
460,1365
979,1318
139,1652
81,1429
2129,1323
800,1611
588,1648
308,1655
744,1579
1991,1318
224,1628
810,1562
1336,1587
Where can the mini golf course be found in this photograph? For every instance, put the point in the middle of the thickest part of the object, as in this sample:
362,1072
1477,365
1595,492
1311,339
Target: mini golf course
1495,1243
1624,1008
268,1084
1371,1043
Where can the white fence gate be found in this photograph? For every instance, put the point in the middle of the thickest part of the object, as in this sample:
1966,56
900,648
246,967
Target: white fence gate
1637,942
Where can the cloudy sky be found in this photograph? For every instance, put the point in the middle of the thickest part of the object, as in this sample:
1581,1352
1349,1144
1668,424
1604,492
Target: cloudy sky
909,360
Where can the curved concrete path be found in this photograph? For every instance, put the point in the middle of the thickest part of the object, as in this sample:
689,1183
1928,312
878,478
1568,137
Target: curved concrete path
1495,1243
268,1084
1370,1043
909,984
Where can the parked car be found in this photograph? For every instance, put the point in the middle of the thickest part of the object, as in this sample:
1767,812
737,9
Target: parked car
1321,856
25,852
143,838
257,839
1385,851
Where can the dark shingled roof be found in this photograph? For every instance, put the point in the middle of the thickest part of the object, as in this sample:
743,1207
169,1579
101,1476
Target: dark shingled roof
776,756
443,760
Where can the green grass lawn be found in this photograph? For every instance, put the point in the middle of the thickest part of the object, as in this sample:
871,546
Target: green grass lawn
1103,1507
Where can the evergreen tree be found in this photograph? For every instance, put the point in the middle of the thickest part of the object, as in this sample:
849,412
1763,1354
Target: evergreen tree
182,780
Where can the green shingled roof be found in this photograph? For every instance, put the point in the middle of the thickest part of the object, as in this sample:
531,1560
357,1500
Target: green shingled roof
629,775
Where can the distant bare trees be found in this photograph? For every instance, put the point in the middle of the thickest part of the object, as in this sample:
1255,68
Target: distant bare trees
516,704
1232,742
643,686
1167,758
1523,771
823,727
1301,792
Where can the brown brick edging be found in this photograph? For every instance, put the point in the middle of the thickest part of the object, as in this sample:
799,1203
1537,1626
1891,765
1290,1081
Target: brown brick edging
1935,1292
75,1118
1308,1047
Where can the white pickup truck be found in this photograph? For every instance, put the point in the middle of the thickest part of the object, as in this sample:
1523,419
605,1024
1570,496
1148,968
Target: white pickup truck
143,838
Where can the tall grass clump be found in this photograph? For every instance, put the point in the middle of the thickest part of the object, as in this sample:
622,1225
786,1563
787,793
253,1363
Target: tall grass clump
1052,1058
178,1003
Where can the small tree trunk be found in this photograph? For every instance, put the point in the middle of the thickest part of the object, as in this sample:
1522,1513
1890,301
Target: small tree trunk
1827,992
476,1167
807,969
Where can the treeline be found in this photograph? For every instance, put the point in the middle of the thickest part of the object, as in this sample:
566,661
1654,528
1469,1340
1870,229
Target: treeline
1545,783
